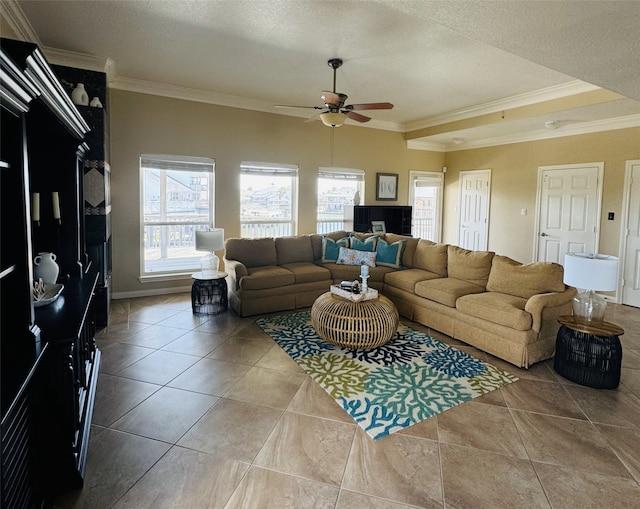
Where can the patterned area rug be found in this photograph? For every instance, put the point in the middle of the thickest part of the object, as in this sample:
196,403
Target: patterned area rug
387,389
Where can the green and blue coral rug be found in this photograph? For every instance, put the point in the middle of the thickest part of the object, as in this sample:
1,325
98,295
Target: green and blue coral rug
386,389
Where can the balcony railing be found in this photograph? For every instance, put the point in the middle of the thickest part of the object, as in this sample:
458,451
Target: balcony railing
333,225
259,230
423,228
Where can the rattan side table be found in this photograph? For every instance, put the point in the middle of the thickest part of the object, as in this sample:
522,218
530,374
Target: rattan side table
589,355
358,325
209,293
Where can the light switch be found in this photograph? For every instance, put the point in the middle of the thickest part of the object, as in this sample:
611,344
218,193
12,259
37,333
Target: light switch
610,216
523,212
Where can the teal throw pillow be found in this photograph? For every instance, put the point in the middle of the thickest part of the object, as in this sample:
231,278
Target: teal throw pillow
368,244
331,248
390,255
355,257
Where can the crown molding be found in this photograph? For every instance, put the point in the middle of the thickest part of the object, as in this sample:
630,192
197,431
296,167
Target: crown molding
537,96
81,61
14,15
595,126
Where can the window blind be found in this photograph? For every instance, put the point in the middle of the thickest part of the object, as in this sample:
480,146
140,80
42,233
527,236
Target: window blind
341,174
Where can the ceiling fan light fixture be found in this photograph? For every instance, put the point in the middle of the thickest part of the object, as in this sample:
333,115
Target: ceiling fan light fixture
331,119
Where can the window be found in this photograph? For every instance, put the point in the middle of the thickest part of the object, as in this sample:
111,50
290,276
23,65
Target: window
425,192
176,200
339,189
268,200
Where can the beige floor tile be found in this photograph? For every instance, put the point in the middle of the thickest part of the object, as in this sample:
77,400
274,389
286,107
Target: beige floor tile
232,429
424,429
115,462
166,415
630,379
266,489
572,489
187,320
313,400
625,443
115,396
567,442
238,349
117,356
486,427
308,447
159,367
120,331
542,397
153,336
608,406
152,314
399,468
539,371
479,480
630,358
277,358
195,343
210,376
185,479
351,500
266,387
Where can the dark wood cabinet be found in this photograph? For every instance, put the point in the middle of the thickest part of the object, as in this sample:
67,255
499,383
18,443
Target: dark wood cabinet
397,218
49,361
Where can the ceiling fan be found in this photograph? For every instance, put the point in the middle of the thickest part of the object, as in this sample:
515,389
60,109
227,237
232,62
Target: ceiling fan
335,112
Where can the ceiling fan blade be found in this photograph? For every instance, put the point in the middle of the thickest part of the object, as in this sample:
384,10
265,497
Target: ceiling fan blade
356,116
315,117
370,106
334,98
293,106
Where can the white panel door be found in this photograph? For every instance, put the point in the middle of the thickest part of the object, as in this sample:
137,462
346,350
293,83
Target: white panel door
473,220
631,270
568,211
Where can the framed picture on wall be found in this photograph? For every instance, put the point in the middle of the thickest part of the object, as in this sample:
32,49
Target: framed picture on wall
386,186
378,227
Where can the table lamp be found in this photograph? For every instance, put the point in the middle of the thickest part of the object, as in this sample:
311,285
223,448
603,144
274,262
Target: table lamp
590,272
210,240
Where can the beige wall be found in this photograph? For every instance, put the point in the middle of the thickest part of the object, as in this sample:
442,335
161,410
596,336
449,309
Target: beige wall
142,123
514,174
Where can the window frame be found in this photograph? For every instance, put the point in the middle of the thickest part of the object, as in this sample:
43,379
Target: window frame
339,174
173,162
278,170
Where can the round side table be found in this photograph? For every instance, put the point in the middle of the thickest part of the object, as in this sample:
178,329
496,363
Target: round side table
358,325
209,293
589,355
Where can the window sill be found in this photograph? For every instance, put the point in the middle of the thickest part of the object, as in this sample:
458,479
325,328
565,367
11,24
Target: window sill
166,277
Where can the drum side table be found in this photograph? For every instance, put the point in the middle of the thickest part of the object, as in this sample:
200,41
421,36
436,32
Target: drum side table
209,293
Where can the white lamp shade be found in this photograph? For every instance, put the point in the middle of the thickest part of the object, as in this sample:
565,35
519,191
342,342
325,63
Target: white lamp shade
333,119
210,240
591,271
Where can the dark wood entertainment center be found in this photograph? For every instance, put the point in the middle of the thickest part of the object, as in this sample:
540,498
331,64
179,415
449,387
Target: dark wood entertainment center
397,218
49,360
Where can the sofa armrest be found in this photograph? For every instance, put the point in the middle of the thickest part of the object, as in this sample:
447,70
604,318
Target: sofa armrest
549,306
236,271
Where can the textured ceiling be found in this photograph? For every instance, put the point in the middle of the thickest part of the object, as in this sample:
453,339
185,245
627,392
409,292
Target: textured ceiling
432,59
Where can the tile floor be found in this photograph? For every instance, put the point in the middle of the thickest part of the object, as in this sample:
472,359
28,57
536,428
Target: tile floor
208,412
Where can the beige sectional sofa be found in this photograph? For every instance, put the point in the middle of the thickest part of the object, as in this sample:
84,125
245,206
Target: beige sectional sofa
496,304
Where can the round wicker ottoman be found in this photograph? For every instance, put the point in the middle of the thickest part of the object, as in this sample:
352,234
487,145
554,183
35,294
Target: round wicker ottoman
358,325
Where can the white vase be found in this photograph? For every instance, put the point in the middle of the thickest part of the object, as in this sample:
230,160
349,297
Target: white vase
79,95
95,102
356,198
46,268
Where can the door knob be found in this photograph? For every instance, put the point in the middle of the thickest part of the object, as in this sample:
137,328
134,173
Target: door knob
543,234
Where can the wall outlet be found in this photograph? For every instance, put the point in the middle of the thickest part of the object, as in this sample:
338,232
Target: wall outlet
610,216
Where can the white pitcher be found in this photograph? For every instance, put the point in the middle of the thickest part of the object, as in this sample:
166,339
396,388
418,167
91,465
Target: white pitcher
46,268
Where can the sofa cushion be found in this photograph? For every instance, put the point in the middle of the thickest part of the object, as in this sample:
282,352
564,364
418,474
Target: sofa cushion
354,257
294,249
446,290
471,266
390,255
251,252
331,248
308,272
409,247
352,272
500,308
263,277
361,243
431,256
406,279
513,278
